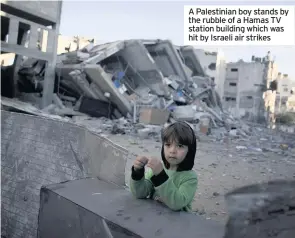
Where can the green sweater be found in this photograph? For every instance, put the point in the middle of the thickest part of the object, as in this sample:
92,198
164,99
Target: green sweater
175,189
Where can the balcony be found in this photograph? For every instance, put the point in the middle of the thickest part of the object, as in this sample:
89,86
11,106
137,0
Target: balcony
13,37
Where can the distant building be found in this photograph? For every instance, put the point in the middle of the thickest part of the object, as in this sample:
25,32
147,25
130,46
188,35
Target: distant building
68,43
246,89
7,59
214,65
285,99
290,104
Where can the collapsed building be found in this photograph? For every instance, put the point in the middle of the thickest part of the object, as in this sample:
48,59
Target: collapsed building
145,81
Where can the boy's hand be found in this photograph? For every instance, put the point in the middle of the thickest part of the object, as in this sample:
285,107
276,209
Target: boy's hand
155,165
140,162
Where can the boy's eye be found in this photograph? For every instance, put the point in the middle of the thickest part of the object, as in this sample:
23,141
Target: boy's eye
180,146
167,144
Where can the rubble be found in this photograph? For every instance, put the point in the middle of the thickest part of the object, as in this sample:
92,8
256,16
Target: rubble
144,82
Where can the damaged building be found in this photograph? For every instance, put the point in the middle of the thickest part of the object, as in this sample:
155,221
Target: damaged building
145,81
285,99
22,23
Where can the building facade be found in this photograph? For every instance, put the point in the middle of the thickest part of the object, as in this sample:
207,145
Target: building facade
247,91
285,99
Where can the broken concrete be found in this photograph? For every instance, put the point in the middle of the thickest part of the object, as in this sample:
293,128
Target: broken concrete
101,52
104,81
184,113
144,70
192,61
134,75
167,58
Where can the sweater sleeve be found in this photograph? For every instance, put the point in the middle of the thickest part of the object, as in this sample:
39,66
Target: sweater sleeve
175,197
140,184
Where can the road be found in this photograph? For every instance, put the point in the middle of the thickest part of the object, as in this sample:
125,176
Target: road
223,165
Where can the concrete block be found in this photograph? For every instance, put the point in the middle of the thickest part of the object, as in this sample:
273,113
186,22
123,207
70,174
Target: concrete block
80,208
154,116
37,151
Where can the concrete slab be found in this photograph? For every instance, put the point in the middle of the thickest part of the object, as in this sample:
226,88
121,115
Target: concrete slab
78,208
146,71
192,61
167,58
104,82
79,79
101,52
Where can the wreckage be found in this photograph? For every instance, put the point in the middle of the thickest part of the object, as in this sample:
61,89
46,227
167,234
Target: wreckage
145,81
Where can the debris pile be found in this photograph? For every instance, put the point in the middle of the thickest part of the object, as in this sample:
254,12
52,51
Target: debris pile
135,81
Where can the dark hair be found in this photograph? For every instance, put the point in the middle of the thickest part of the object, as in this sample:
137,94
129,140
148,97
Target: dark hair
182,133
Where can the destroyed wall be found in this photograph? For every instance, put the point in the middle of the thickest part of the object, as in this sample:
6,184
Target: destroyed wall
38,151
214,65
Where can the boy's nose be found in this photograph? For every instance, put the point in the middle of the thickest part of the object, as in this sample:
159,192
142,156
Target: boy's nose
173,149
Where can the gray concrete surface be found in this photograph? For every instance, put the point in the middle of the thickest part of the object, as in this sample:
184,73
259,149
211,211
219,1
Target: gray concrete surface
39,151
76,208
221,167
43,9
262,210
172,65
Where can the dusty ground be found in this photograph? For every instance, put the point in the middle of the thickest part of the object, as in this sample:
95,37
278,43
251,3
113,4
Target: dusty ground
222,166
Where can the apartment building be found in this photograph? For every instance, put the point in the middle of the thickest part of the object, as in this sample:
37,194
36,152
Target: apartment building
246,88
285,96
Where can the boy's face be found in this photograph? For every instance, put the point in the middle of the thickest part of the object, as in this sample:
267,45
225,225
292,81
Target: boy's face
175,152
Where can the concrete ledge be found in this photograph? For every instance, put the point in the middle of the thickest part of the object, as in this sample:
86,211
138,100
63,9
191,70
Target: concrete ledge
93,208
21,50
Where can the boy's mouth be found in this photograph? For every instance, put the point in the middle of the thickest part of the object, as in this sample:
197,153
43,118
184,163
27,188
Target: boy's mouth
172,158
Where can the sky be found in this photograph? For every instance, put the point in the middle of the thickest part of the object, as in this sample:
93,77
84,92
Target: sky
111,21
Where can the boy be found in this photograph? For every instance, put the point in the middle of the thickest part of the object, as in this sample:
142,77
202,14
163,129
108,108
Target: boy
172,182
